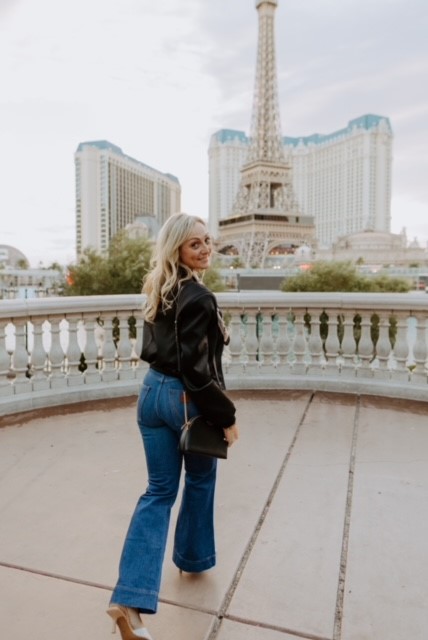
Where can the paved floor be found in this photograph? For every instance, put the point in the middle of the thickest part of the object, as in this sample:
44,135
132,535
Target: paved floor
322,523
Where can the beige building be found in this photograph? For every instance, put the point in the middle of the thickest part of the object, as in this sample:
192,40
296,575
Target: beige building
376,248
342,179
113,190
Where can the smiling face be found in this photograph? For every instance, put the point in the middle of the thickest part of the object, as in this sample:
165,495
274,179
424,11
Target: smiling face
196,252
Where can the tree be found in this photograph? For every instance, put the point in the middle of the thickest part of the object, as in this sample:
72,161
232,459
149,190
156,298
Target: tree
384,283
342,276
55,266
88,277
121,271
129,261
237,263
213,280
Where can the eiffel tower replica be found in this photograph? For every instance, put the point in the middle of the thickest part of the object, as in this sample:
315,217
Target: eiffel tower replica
265,214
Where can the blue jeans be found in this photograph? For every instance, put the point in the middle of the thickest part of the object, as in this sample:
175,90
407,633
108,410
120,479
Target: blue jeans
160,417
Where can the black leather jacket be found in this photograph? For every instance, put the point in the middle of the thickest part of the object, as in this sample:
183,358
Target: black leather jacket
201,345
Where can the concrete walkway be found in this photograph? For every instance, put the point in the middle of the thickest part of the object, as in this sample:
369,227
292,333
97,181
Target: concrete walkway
322,523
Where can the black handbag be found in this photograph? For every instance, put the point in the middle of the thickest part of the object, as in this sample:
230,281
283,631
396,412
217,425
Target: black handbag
202,437
199,436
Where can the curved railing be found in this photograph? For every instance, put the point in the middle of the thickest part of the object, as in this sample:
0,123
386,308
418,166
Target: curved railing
61,350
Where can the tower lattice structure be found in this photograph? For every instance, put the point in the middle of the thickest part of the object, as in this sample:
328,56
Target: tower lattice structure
265,214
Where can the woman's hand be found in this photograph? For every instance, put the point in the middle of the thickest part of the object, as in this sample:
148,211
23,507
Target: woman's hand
231,434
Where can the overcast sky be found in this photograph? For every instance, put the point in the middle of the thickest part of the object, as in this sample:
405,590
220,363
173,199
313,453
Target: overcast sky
157,78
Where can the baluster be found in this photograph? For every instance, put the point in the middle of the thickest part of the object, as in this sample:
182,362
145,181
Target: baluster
109,354
124,349
365,347
140,366
99,341
348,346
6,388
233,362
39,379
74,375
92,374
332,344
383,348
56,356
299,343
283,343
251,343
401,350
132,325
315,344
266,342
419,373
20,359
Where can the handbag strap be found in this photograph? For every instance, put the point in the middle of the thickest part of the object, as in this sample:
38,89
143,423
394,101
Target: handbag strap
186,419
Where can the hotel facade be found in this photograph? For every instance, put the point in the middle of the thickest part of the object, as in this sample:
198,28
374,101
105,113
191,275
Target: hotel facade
342,179
114,190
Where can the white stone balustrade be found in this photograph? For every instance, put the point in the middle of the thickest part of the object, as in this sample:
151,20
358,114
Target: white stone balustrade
61,350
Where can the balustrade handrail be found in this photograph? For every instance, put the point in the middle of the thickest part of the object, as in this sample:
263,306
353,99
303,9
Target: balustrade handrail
412,302
65,349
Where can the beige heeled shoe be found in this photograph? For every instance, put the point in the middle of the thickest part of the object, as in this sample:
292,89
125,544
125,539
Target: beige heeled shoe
122,618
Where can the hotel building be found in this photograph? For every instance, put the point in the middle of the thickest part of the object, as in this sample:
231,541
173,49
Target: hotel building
113,190
342,179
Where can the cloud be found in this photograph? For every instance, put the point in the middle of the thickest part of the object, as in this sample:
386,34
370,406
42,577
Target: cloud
8,5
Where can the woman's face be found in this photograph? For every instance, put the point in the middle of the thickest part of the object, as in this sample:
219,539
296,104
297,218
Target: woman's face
196,252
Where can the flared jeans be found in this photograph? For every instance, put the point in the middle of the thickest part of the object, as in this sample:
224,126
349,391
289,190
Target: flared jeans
160,415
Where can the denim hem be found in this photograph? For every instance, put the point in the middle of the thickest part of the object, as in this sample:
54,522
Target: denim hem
193,566
144,601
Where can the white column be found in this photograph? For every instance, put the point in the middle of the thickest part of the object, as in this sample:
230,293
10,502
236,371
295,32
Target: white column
39,379
124,349
109,353
92,374
74,374
401,349
299,342
419,373
233,363
251,341
365,347
56,356
266,342
315,344
283,343
348,346
20,359
332,344
6,388
383,348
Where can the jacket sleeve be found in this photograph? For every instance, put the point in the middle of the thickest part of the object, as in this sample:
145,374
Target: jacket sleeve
194,324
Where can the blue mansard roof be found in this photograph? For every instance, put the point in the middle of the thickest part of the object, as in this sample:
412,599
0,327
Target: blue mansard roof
363,122
367,122
227,135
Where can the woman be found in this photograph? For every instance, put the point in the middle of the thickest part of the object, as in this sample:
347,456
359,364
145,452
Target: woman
175,298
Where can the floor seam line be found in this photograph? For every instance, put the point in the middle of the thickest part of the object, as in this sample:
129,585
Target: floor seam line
97,585
55,576
245,556
338,614
274,627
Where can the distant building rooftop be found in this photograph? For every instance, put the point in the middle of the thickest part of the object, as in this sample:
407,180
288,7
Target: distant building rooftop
367,122
105,145
11,257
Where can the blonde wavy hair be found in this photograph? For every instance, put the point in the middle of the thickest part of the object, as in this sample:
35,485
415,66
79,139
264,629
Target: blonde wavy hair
167,271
